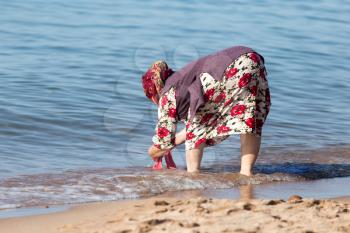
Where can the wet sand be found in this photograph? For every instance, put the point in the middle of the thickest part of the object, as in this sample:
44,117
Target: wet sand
166,214
108,184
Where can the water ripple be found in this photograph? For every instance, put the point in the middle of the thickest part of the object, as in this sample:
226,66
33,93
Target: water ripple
70,71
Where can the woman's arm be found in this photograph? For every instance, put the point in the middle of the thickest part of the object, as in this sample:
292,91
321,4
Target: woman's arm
155,152
165,138
180,137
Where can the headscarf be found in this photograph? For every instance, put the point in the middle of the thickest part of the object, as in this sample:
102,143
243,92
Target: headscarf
153,80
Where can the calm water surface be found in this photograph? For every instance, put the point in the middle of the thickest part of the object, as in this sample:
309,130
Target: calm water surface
71,99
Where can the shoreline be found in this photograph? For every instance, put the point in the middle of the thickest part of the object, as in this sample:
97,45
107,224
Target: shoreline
86,185
114,216
317,189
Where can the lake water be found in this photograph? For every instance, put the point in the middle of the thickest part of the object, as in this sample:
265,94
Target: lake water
73,113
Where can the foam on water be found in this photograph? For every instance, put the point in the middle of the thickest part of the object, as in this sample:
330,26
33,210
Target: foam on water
90,185
114,184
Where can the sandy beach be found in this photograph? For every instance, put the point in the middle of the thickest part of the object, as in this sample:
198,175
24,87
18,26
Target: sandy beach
192,215
76,122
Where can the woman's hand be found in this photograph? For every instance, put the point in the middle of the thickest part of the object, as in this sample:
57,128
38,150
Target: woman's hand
170,164
155,152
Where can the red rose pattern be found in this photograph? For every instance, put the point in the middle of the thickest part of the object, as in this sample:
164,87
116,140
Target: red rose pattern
255,57
250,122
220,97
148,84
172,112
164,101
163,132
241,106
254,90
199,142
167,120
228,102
231,72
244,80
206,118
223,129
237,110
209,94
189,136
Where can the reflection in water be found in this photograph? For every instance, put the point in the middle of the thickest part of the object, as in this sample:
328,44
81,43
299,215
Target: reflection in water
246,192
243,192
79,186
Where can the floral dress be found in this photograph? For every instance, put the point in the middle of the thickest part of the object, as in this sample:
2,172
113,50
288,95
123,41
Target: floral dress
238,104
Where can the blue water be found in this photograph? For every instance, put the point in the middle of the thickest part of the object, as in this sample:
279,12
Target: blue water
70,76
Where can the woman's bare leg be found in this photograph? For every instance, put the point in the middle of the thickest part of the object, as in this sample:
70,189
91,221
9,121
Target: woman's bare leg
194,158
250,146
